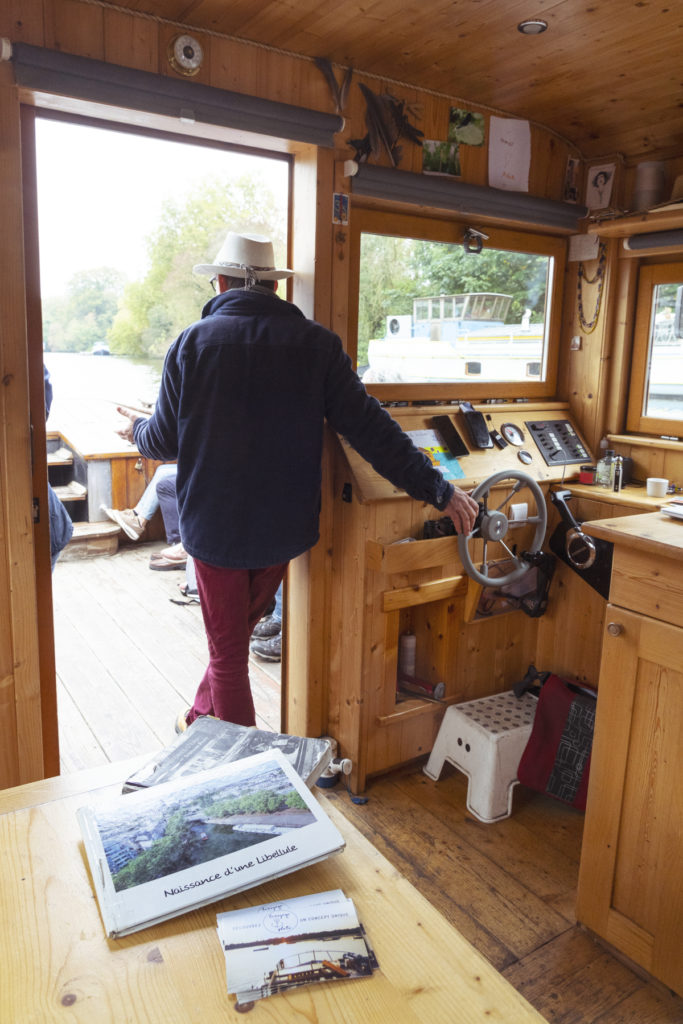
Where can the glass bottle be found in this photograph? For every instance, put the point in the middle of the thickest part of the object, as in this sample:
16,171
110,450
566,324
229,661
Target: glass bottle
604,475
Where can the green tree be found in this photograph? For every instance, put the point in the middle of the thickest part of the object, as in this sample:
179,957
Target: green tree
85,316
386,286
155,310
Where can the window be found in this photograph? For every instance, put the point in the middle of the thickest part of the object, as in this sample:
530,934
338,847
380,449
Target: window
656,396
452,323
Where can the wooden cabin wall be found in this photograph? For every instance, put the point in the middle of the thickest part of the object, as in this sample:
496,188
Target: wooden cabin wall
93,30
591,378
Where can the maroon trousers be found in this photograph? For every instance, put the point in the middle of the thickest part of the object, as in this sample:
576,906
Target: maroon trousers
232,602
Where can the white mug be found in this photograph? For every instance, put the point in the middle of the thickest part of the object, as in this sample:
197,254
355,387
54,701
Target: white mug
657,486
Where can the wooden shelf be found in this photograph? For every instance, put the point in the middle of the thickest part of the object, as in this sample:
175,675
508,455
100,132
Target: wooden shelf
638,224
61,457
71,492
409,709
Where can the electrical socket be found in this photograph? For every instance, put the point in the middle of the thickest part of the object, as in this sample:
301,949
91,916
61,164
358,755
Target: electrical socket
575,343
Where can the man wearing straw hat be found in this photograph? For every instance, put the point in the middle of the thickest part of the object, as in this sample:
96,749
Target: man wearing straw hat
243,398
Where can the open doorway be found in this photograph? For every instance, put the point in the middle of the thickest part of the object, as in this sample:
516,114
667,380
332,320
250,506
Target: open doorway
123,215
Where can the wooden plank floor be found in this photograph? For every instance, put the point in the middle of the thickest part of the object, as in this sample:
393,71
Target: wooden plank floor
510,888
130,652
129,657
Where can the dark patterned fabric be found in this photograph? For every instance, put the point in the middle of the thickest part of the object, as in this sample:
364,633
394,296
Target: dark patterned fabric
573,750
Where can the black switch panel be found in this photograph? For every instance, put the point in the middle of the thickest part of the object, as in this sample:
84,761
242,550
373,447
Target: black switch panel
558,442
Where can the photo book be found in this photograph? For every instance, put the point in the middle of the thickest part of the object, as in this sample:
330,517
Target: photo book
208,742
280,946
168,849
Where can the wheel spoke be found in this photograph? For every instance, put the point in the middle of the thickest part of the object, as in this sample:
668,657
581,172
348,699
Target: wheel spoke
484,564
515,490
512,555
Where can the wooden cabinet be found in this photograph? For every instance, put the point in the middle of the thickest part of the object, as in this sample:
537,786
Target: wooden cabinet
631,877
382,579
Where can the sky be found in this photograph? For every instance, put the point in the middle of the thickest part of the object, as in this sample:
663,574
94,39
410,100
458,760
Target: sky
100,192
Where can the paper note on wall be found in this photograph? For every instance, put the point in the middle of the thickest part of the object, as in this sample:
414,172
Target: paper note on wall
509,154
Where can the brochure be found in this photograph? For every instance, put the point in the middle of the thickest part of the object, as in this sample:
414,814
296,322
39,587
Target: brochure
430,443
278,946
167,849
209,742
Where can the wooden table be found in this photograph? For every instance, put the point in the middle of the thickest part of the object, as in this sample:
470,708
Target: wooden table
56,964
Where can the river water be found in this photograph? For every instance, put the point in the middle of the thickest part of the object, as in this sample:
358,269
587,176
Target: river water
87,389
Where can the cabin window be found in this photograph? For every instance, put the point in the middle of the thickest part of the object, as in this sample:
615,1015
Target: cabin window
434,316
656,396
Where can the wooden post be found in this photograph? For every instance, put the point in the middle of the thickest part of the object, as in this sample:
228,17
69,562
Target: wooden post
21,740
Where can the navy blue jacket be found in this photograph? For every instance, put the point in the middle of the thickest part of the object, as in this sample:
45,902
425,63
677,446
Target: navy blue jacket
244,395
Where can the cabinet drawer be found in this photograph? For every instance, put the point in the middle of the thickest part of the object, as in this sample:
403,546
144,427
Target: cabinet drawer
648,584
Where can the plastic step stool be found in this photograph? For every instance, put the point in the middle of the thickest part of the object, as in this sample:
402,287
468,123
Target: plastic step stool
485,739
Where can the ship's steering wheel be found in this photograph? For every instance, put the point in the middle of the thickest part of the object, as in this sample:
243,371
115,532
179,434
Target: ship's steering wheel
492,525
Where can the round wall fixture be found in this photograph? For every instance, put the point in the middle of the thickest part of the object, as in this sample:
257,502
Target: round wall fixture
185,55
525,457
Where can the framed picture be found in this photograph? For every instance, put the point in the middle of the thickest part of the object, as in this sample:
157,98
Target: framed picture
571,180
599,182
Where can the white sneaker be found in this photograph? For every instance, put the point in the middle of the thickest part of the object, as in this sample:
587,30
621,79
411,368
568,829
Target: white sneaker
130,522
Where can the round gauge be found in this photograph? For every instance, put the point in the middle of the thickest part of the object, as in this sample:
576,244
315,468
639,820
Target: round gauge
512,434
185,54
525,457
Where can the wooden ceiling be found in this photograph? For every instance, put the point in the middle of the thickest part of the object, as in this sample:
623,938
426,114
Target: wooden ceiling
607,75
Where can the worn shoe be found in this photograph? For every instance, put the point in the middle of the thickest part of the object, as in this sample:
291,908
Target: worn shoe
269,650
174,557
181,721
191,595
130,522
268,626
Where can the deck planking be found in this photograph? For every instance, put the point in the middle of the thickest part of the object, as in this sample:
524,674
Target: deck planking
130,652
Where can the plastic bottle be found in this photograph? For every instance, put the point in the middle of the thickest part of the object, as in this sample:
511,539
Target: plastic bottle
604,475
407,644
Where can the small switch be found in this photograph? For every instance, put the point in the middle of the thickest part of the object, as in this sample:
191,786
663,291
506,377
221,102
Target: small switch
575,344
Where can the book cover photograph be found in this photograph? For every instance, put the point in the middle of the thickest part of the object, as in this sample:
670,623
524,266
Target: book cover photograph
161,851
210,741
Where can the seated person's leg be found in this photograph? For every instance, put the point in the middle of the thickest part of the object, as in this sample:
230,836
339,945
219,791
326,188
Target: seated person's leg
133,521
168,503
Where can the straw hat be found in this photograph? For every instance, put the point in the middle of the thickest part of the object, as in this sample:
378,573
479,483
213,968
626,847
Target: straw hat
251,254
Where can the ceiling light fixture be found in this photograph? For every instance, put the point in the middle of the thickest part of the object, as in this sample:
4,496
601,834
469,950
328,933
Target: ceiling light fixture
532,27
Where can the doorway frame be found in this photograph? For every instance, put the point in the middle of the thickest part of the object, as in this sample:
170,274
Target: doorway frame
28,732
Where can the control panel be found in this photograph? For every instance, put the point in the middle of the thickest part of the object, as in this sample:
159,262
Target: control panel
558,442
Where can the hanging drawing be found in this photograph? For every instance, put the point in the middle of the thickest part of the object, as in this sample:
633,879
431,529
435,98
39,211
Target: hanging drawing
599,186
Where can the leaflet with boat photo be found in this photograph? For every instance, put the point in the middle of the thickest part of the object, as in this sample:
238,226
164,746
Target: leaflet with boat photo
209,741
164,850
279,946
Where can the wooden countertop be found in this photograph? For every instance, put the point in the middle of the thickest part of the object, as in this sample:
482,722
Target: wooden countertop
652,532
57,965
633,495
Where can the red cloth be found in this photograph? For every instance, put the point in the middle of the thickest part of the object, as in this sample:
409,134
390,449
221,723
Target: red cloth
556,759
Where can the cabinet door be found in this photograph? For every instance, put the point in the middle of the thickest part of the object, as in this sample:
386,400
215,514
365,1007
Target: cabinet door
631,878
